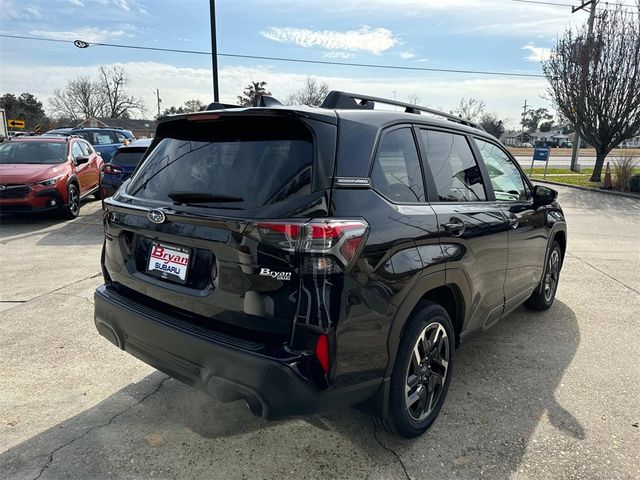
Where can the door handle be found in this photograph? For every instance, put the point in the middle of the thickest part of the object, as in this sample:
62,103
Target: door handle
513,220
455,227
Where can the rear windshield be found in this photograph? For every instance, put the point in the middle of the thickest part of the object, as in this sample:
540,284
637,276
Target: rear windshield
127,158
33,152
245,164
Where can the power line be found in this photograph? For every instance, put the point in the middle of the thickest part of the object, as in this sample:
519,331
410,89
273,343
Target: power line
569,5
286,59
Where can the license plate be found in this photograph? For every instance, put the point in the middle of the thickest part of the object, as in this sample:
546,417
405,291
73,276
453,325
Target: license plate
169,262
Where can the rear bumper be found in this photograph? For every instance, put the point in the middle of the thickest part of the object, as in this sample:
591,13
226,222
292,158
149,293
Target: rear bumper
271,387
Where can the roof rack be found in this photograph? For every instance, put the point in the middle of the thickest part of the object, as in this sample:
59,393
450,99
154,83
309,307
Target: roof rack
357,101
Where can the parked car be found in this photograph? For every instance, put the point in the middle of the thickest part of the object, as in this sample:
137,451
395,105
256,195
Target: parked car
297,257
104,140
122,164
48,173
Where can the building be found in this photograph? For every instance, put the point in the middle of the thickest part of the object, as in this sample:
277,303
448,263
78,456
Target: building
139,128
516,139
552,138
631,143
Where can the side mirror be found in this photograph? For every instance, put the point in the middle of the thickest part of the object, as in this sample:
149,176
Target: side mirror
543,195
82,159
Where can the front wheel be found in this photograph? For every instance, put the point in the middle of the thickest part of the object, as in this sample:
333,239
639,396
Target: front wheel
543,297
422,372
72,209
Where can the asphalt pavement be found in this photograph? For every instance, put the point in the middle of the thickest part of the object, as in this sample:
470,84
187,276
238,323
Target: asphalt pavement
540,396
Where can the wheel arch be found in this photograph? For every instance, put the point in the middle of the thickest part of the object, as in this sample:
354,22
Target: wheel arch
431,288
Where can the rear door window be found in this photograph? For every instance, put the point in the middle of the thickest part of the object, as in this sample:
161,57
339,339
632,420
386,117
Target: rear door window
396,171
454,169
249,166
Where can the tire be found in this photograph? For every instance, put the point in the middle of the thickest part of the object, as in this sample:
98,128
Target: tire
419,383
72,209
544,295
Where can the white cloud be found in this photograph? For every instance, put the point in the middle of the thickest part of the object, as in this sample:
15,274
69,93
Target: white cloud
537,54
407,55
33,11
494,17
365,39
502,95
88,34
338,54
77,3
123,4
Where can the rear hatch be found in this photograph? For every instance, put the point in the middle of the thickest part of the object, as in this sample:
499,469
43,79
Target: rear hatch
124,161
205,228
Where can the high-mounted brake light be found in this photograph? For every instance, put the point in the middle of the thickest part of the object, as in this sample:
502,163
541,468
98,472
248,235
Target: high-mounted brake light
200,118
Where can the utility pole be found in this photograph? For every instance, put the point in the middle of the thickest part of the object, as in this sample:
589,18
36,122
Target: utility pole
524,113
159,100
214,49
575,154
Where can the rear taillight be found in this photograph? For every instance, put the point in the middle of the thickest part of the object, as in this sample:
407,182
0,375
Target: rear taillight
325,240
322,353
112,169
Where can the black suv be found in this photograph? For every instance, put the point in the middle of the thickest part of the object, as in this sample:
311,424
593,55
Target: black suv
294,257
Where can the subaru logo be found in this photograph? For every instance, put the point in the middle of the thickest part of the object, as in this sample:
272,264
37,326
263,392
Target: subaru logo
156,216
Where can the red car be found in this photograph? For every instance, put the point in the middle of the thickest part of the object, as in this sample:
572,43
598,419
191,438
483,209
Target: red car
48,173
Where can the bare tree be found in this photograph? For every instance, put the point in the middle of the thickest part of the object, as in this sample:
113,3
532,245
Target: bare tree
116,102
414,99
105,97
471,109
252,93
78,100
312,93
595,81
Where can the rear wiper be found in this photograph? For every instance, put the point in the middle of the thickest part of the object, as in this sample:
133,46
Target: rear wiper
195,197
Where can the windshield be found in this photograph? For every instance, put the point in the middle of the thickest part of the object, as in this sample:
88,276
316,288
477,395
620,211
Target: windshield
33,152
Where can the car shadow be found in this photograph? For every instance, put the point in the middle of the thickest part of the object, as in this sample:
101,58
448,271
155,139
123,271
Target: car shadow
504,384
15,224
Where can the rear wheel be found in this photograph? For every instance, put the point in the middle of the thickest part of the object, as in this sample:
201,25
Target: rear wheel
543,297
422,373
72,209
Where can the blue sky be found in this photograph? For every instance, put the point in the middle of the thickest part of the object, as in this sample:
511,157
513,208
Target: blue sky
497,35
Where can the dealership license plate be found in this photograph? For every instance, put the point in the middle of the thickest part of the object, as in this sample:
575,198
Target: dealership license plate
169,262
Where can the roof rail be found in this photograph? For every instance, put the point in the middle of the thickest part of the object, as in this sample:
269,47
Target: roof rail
357,101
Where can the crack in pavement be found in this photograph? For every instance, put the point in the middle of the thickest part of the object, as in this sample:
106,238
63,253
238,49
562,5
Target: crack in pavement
96,427
603,273
388,449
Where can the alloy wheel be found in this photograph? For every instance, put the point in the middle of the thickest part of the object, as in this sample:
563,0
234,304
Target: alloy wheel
74,201
551,277
427,371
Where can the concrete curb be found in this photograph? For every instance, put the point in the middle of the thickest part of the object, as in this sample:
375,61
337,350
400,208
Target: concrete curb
589,189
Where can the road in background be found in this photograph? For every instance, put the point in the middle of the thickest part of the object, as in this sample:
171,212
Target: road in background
541,395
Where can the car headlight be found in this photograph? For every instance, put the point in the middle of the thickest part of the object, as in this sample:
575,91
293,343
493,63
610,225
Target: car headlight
48,182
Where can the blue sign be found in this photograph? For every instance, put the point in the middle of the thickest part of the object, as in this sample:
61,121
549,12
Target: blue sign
540,154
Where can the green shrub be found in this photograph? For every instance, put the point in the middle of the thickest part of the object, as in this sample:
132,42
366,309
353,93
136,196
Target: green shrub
634,183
